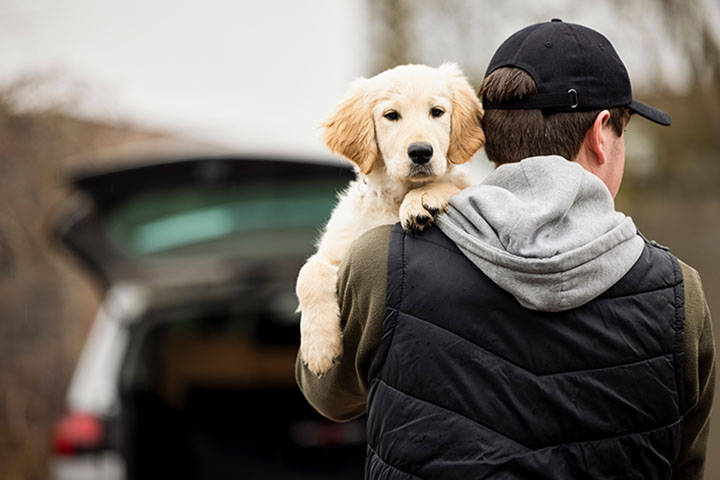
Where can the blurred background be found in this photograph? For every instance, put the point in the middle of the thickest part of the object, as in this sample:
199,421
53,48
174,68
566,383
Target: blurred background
87,85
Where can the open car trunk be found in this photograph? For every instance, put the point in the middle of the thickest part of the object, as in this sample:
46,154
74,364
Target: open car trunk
211,395
205,387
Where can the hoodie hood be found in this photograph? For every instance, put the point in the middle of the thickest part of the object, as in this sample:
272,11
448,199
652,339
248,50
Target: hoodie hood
546,230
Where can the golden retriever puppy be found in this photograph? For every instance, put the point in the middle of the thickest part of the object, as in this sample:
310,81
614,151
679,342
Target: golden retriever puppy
406,130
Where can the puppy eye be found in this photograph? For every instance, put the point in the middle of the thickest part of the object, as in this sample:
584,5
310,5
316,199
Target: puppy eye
392,115
436,112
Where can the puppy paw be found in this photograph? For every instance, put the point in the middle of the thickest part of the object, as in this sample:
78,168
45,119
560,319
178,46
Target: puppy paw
320,333
320,342
420,206
321,354
418,210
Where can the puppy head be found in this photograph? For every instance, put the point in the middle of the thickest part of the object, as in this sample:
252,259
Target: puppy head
419,119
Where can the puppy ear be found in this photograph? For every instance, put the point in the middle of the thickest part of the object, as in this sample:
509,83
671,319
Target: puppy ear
466,133
350,129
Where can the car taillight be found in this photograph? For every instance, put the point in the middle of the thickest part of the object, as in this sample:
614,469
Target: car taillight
327,434
78,433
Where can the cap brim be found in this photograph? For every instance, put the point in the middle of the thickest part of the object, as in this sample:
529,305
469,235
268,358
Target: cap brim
651,113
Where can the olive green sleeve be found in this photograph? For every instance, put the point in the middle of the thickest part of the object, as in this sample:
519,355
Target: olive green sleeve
341,393
699,378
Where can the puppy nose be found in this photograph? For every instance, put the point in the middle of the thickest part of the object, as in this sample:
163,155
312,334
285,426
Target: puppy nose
420,152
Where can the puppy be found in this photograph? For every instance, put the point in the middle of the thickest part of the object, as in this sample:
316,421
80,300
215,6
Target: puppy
405,130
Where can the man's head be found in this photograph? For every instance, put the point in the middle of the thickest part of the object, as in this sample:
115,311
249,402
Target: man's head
545,89
512,135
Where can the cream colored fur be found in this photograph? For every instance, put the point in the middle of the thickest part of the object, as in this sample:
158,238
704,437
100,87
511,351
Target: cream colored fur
389,187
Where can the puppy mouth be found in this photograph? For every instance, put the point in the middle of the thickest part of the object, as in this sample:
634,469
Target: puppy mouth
420,172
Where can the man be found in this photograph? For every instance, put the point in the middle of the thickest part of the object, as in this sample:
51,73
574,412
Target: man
534,333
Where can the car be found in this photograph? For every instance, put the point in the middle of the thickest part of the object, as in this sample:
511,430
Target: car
188,369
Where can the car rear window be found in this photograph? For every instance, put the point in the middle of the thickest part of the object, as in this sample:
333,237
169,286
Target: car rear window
254,221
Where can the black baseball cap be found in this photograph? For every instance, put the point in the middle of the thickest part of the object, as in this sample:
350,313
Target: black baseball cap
574,68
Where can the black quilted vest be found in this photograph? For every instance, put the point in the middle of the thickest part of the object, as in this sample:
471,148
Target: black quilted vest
468,384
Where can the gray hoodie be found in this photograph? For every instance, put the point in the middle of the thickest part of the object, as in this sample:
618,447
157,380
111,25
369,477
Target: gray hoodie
546,230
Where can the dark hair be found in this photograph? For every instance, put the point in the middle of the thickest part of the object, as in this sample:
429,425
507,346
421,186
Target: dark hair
512,135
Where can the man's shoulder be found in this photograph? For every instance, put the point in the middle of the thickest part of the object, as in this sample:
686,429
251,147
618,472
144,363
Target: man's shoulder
690,275
368,254
692,284
695,301
372,240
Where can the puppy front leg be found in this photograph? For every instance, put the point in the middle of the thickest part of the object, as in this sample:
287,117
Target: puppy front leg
421,205
320,334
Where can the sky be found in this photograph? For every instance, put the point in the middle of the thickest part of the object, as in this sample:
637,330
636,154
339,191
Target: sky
262,75
252,76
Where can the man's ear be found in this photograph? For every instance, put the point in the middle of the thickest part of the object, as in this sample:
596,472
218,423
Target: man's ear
466,133
350,129
595,137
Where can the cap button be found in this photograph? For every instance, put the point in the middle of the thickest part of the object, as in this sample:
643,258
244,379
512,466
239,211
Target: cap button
556,20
